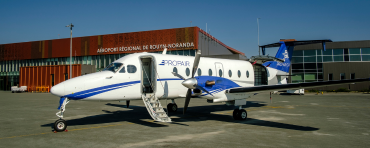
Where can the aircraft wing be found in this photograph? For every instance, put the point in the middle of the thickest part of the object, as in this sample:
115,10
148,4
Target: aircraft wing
278,87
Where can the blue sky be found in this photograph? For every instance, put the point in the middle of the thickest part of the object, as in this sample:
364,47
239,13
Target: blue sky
232,22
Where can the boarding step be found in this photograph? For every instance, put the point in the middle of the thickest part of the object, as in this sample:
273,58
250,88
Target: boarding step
155,108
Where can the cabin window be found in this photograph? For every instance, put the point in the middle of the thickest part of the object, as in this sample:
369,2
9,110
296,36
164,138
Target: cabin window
187,71
131,68
230,73
210,72
239,74
220,73
199,72
123,70
247,74
174,70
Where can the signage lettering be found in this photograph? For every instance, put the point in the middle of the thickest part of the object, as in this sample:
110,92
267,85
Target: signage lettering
146,47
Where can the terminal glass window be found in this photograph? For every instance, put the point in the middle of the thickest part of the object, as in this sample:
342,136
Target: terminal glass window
365,50
310,77
353,76
298,53
338,58
297,78
355,57
342,76
180,52
327,58
310,53
84,61
297,59
365,57
192,52
328,52
354,51
309,59
337,51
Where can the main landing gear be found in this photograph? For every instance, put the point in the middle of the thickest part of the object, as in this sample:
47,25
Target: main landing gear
61,125
172,107
240,114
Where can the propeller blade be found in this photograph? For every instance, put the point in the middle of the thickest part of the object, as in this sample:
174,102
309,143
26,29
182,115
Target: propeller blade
196,62
187,100
178,75
201,88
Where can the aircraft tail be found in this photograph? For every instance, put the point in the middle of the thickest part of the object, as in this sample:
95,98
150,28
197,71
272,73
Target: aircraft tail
285,53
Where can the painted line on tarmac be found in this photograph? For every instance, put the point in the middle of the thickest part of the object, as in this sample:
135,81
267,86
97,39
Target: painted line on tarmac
95,127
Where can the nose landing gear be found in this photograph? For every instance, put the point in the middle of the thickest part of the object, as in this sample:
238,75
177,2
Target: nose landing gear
61,125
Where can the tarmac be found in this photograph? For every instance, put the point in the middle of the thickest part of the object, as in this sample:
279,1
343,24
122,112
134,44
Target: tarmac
310,120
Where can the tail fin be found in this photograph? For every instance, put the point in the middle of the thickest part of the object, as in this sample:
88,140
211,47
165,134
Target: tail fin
285,53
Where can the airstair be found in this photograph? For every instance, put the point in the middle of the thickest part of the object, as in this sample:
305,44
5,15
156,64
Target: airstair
155,108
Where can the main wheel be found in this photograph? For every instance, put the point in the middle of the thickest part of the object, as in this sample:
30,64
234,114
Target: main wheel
242,114
236,114
60,125
172,107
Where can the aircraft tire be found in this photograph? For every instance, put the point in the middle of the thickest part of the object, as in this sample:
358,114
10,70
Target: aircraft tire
236,114
60,125
242,114
172,107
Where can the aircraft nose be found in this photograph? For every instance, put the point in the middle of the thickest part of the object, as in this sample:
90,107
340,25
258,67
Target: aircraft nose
57,90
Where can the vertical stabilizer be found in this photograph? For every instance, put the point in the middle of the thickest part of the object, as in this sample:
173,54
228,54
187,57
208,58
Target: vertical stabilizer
284,53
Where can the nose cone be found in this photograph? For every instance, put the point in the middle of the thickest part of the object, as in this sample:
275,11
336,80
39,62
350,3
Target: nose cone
190,83
58,89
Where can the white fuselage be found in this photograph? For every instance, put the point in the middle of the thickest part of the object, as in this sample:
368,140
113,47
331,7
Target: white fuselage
129,85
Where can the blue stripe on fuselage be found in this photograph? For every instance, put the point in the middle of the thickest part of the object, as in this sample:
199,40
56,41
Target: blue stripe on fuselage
220,85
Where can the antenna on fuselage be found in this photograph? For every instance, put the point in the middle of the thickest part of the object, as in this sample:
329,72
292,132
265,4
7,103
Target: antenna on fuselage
164,51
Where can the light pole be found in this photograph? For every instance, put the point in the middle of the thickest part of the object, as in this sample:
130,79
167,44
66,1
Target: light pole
258,30
70,58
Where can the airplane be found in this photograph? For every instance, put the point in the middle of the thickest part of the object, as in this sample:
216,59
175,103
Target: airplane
153,76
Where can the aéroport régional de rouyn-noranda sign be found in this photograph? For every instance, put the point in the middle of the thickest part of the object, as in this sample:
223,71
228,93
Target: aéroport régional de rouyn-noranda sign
146,47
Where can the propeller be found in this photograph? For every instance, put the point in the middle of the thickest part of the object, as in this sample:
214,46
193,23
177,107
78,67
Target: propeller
192,82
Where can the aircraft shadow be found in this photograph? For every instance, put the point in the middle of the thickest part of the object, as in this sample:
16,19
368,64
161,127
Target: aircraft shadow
138,115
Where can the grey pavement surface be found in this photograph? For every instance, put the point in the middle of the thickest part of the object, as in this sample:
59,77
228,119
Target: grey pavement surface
329,120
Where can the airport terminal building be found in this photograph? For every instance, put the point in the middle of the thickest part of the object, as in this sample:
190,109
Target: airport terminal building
40,59
341,60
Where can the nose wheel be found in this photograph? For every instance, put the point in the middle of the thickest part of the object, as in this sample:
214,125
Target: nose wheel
60,125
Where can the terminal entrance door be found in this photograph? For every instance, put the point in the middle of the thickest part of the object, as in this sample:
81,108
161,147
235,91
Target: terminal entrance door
260,75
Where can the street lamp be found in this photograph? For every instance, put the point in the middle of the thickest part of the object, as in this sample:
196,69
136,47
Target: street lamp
70,58
258,30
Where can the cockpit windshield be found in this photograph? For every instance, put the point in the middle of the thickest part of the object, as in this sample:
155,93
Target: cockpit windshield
113,67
